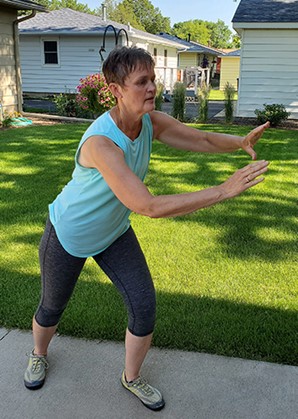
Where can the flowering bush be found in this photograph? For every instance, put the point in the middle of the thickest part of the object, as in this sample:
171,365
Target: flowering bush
94,94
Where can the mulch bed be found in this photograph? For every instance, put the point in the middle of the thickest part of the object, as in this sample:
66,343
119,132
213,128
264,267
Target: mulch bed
289,124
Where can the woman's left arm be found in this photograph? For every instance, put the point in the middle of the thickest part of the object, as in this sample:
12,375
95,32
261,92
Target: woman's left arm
178,135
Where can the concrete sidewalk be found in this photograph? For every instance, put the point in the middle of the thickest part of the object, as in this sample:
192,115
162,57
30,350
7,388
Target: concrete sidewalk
84,382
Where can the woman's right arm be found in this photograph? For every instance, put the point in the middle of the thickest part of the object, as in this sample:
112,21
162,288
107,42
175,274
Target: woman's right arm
101,153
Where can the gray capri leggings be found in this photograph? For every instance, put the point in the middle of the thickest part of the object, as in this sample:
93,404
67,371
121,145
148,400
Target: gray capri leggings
123,262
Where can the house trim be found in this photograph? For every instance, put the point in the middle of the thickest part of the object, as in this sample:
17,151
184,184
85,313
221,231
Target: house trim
265,25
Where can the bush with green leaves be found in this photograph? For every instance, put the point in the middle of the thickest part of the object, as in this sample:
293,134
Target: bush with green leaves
203,95
275,114
229,92
179,93
67,105
159,95
94,94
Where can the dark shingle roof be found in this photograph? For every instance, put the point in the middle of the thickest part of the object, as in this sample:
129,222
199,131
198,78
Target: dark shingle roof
70,22
64,21
23,5
267,11
234,53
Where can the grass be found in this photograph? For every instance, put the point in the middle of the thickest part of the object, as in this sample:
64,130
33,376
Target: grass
226,277
216,94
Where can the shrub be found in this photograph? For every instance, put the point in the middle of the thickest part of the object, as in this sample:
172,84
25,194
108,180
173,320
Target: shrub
178,110
275,113
67,105
229,92
159,95
203,95
94,94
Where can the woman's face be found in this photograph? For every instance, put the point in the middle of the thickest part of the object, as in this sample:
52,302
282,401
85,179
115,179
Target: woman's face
138,92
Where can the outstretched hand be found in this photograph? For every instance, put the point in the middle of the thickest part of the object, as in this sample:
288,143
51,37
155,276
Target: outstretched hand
251,139
244,179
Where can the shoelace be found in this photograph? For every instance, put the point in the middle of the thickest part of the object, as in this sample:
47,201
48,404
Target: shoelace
37,364
142,385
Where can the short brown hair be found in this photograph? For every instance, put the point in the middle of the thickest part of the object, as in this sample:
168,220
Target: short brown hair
123,61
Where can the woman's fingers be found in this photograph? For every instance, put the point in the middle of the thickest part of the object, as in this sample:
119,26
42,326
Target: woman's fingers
256,133
244,178
251,171
251,139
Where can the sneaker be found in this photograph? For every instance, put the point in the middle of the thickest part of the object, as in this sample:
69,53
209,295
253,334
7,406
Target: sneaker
149,396
35,373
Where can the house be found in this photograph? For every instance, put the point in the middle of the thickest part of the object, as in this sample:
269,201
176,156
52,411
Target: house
194,58
269,55
10,80
230,69
59,49
193,54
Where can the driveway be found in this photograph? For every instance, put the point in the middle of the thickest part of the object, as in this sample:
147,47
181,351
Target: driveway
192,108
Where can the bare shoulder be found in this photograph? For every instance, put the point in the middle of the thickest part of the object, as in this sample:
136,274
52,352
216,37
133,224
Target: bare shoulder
96,148
158,116
161,121
99,142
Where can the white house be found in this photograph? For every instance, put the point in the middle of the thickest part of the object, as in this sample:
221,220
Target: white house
269,55
60,48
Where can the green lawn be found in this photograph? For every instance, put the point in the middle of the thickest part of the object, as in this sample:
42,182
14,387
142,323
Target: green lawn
216,94
226,277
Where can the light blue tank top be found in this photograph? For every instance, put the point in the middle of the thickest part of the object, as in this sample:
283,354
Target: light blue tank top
86,215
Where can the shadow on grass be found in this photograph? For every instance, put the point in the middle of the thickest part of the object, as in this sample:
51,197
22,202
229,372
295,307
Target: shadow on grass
183,322
38,162
238,221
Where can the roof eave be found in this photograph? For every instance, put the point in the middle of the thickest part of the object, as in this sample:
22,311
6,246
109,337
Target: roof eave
264,25
58,33
100,31
19,5
155,40
230,56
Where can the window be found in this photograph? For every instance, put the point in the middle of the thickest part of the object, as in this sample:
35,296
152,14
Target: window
155,55
50,49
165,58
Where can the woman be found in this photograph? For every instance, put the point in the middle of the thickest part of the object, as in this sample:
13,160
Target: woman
90,217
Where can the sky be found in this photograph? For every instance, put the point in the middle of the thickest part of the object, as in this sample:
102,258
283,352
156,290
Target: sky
180,11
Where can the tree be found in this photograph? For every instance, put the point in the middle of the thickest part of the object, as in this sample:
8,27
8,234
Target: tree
236,41
62,4
215,34
149,17
125,14
195,30
111,6
220,34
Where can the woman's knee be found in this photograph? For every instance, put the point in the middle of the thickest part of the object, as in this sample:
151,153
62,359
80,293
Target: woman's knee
141,320
47,317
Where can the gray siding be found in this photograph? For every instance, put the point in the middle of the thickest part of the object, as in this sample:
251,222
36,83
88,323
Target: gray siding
268,74
78,57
